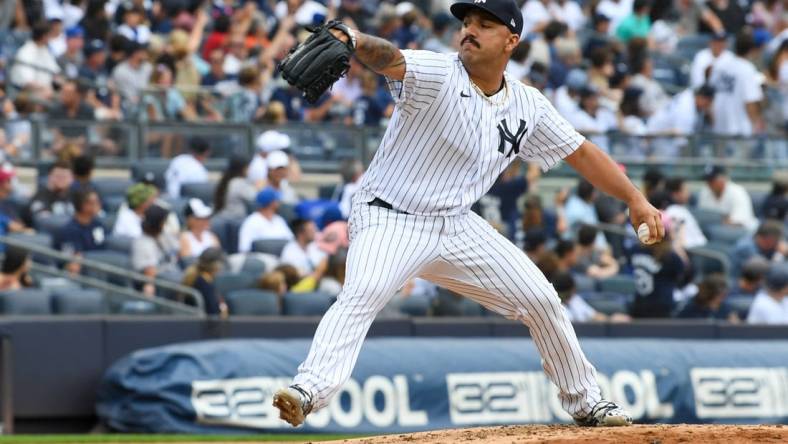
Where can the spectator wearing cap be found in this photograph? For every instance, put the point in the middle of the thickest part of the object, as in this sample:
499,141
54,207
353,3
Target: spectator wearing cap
54,198
738,90
770,306
188,167
775,206
706,57
100,91
680,216
134,27
197,237
202,277
637,24
73,57
84,232
709,302
600,36
263,223
266,143
57,40
575,307
302,252
34,66
753,273
278,172
131,76
727,197
150,253
333,235
768,242
234,192
139,197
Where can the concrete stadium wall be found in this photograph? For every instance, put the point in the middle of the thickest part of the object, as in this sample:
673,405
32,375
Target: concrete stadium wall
58,362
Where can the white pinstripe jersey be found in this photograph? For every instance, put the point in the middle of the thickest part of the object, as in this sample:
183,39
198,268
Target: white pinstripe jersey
446,145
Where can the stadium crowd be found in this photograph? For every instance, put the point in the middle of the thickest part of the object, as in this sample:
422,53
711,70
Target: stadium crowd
636,67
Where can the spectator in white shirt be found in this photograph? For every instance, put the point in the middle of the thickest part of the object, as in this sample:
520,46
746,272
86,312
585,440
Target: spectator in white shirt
688,112
771,305
302,252
536,16
278,171
729,198
263,223
680,215
654,96
593,119
700,69
568,12
198,236
139,197
737,83
34,66
188,168
615,10
133,27
266,143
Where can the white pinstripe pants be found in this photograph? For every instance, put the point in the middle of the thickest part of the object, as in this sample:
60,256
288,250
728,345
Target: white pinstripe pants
461,253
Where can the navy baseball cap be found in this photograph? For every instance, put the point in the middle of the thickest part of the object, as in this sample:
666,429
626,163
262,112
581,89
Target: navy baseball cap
504,10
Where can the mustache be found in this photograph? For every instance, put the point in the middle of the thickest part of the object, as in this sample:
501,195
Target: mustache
471,40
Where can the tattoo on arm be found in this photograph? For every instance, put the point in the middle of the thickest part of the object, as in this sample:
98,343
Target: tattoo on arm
378,54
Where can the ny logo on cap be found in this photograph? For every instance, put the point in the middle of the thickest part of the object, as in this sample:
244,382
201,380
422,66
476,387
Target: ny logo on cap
480,1
512,22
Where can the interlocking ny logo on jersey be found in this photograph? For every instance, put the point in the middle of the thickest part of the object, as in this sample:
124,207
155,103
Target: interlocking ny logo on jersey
507,136
480,1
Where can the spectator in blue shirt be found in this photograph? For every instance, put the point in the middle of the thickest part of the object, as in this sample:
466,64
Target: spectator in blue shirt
768,242
709,303
84,232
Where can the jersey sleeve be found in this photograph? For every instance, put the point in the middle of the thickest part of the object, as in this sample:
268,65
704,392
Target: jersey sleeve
425,73
753,90
552,139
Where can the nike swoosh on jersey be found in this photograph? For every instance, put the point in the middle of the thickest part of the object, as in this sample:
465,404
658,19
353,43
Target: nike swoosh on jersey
462,94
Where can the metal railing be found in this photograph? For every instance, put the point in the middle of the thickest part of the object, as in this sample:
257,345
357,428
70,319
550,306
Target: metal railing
322,147
192,294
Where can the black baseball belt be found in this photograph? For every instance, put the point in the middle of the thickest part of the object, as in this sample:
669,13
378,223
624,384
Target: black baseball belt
376,202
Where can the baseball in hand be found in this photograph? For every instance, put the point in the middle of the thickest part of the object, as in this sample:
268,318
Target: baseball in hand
644,233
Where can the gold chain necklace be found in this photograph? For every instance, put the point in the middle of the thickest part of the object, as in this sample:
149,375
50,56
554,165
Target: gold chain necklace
488,99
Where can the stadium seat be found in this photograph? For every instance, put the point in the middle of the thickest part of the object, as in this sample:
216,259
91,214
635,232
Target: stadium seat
51,223
415,306
233,228
203,191
253,266
114,258
78,301
584,283
758,198
469,307
608,302
287,212
151,170
620,283
38,239
689,45
25,302
306,304
138,308
269,246
252,302
726,234
226,282
174,277
326,192
706,217
107,187
121,244
740,304
112,204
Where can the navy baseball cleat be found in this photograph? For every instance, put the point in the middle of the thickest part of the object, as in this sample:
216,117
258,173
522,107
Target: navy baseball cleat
605,414
294,403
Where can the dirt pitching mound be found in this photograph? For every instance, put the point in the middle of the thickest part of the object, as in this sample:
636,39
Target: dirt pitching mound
648,434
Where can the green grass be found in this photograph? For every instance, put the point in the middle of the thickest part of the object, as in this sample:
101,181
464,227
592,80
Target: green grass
122,438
